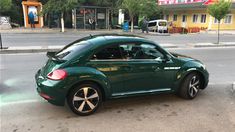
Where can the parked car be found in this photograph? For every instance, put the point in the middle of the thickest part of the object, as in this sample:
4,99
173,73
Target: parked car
158,26
102,67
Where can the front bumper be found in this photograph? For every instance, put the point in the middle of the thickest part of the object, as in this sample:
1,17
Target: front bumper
52,91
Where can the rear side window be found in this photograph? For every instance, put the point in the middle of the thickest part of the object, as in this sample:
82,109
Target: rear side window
71,50
152,24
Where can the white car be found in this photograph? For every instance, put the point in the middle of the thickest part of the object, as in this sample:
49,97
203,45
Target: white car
158,26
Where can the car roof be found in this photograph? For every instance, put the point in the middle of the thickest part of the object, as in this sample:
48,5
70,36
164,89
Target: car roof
159,20
103,39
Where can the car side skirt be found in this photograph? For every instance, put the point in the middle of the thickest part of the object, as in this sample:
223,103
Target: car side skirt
136,93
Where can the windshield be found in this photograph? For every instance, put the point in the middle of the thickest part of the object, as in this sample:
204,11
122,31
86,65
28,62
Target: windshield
71,50
162,23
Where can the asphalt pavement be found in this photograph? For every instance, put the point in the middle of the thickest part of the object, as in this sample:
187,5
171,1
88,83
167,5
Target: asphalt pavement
41,42
21,108
213,110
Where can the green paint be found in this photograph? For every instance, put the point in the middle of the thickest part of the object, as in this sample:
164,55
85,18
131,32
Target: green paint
117,78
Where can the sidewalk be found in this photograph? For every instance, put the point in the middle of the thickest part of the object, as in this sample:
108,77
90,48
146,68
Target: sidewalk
23,30
225,32
34,49
45,48
57,30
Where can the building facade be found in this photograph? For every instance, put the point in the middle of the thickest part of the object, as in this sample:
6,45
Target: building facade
81,15
193,13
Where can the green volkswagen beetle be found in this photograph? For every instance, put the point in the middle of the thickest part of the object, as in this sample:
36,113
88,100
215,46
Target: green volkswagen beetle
102,67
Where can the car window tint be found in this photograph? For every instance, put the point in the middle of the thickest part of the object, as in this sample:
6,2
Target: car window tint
140,51
112,52
69,51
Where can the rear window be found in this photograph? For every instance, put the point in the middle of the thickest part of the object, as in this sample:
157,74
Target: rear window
162,23
71,50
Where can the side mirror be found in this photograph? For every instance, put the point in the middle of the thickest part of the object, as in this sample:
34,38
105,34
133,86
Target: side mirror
165,59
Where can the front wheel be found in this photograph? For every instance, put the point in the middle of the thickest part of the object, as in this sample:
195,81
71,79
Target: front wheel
190,86
84,99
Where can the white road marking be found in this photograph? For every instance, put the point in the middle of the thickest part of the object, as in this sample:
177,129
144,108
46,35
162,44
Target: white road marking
11,54
18,102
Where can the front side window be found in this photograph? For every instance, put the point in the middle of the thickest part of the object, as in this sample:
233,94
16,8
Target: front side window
140,51
109,53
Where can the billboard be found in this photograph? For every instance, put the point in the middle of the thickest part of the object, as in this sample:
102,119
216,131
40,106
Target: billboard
168,2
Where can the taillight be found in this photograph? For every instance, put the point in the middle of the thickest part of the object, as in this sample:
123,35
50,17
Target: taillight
58,74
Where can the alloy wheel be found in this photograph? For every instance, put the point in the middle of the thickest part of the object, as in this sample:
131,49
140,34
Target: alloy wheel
194,86
86,99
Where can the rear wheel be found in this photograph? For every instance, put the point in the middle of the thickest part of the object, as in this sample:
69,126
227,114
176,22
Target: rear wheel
190,86
84,99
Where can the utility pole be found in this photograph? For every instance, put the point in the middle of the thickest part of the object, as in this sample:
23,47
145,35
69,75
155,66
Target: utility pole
0,40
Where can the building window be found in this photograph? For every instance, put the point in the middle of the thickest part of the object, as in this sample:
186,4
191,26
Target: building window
184,18
228,19
166,17
174,17
181,1
203,18
216,21
195,17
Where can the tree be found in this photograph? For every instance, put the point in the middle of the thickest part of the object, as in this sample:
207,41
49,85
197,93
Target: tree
149,8
133,9
60,6
5,5
138,7
219,10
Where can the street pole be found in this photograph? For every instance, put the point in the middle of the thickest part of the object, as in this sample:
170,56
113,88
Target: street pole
218,31
0,40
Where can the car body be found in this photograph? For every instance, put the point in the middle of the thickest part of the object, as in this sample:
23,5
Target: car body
158,26
97,68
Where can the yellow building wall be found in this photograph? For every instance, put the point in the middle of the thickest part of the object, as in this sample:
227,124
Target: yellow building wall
223,25
209,24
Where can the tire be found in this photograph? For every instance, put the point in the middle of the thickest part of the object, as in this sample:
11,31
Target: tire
85,99
190,86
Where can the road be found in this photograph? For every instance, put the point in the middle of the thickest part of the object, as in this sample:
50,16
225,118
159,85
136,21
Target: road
213,110
44,39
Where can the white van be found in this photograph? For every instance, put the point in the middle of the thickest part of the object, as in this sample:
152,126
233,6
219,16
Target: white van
158,26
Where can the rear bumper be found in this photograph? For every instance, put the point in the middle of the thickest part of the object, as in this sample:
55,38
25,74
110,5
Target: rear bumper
50,90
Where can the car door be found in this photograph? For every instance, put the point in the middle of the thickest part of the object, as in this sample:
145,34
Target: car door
109,61
144,70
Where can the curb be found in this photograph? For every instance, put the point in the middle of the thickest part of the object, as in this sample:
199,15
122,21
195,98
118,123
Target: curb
222,44
30,49
36,49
